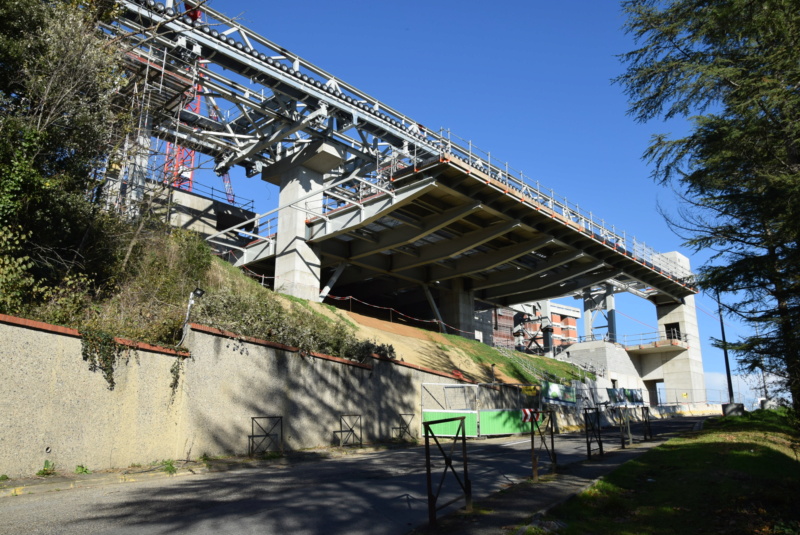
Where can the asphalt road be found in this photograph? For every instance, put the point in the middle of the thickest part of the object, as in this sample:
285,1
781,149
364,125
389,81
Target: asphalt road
381,493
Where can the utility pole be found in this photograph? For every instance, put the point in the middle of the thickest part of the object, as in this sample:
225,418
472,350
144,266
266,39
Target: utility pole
725,349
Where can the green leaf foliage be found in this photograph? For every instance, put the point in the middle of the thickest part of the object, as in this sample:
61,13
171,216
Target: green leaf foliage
732,67
61,114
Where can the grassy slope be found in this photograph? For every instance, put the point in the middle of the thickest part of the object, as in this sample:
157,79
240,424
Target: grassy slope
738,475
483,354
146,300
225,278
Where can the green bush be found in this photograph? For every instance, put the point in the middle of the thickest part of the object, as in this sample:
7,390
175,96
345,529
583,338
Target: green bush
248,309
16,280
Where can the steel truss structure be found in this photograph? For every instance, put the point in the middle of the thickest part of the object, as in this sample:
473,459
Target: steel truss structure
216,87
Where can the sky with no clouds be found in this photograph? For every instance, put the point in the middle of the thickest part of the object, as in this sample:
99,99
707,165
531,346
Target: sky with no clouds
530,81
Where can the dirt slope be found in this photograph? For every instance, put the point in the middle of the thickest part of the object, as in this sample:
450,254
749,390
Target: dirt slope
418,346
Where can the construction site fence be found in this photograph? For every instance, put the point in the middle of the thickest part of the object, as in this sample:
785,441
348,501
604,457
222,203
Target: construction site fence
488,409
676,396
481,423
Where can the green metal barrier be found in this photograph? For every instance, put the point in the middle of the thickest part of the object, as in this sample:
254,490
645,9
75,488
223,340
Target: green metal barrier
503,422
449,429
488,422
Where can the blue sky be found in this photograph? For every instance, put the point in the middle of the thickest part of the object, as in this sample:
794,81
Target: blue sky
529,81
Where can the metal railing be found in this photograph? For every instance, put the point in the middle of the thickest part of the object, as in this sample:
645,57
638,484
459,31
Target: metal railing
449,466
266,434
651,338
665,396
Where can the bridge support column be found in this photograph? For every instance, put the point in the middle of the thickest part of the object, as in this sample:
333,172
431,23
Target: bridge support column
683,373
611,312
297,264
458,308
597,301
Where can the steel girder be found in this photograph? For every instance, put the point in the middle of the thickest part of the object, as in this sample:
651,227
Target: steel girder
403,201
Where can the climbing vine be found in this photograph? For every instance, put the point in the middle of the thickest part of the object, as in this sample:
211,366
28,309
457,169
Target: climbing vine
101,351
175,372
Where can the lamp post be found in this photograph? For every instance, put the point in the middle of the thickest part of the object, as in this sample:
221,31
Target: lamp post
197,292
725,349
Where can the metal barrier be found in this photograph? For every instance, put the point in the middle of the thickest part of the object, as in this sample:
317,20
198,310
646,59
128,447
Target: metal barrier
591,419
622,417
647,430
548,423
403,429
262,434
466,485
347,430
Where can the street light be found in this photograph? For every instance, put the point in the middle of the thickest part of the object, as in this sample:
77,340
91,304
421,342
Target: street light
197,292
725,349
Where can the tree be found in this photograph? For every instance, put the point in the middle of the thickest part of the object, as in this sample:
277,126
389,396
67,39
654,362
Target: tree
60,114
734,64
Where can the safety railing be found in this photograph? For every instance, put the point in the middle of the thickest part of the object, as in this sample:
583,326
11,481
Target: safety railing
448,458
349,433
653,337
266,435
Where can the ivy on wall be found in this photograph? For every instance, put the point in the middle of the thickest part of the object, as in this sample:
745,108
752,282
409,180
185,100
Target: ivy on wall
102,352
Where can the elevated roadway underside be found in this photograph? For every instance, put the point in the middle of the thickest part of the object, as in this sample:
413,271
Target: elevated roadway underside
398,216
452,229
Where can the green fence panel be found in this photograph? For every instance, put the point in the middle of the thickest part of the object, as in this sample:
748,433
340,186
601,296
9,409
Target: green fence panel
503,422
449,429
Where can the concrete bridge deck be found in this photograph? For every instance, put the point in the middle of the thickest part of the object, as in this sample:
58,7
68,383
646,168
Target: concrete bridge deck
450,227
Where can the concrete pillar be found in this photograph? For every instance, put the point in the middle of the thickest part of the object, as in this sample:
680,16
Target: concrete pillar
297,264
683,372
588,314
457,307
611,312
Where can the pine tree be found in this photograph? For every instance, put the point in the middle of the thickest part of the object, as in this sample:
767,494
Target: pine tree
732,67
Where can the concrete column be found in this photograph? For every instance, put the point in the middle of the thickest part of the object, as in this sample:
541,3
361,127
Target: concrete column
611,312
684,372
588,315
457,307
297,264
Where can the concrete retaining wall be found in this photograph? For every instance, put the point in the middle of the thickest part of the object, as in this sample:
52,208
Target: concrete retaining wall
228,382
53,408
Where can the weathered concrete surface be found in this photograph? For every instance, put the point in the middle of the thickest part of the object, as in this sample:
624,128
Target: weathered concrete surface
55,409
